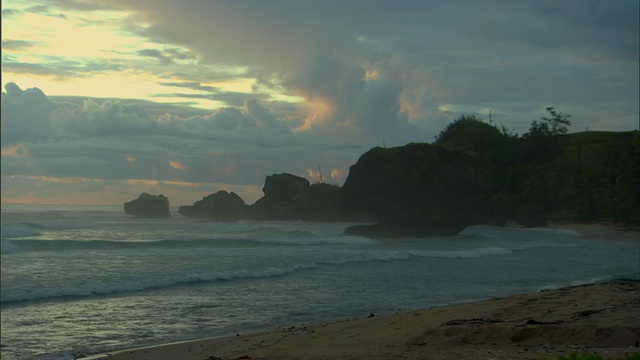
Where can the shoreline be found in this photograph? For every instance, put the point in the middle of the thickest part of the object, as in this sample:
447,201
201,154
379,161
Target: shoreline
627,232
456,331
602,318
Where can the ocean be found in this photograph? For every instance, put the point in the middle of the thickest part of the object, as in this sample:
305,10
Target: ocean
84,280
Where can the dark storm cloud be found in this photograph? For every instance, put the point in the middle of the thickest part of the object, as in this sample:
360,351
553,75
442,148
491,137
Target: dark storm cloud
25,115
469,54
370,72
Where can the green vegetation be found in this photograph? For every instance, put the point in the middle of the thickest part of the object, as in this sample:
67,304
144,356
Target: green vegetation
558,123
476,173
578,356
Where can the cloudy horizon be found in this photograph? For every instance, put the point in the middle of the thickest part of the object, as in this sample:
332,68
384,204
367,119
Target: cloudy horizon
106,99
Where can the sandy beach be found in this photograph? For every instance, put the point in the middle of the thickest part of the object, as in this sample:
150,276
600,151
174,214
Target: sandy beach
602,319
599,319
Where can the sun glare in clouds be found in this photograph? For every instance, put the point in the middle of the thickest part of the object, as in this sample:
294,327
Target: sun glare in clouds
177,165
91,54
321,111
16,151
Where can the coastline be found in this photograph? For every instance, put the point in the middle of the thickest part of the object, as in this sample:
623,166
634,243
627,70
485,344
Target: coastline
601,319
608,230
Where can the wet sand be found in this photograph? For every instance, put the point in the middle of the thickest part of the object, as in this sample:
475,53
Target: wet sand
600,319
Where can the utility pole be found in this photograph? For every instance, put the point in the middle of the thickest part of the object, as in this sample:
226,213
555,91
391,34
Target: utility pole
320,178
490,120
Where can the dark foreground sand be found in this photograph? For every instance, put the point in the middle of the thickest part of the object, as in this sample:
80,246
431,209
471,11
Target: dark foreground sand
601,319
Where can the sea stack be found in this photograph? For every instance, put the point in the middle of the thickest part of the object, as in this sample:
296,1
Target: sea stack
148,206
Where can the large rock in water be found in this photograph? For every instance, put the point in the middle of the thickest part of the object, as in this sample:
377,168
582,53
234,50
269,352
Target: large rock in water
220,205
148,206
416,189
281,191
286,197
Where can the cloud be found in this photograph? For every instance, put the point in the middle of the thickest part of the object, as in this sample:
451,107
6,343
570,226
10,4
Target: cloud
168,56
131,160
25,115
177,165
115,141
16,151
8,44
308,84
480,55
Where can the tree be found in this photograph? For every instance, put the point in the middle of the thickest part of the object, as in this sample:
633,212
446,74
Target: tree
470,134
556,124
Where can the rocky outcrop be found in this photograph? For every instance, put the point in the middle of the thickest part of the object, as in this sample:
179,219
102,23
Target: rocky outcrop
286,197
282,196
417,189
220,205
148,206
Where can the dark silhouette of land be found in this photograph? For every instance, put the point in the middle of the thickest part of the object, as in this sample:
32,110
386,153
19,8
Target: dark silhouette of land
474,173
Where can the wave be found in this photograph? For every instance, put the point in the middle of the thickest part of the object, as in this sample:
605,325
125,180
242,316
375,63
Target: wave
493,232
17,231
446,254
335,258
144,285
28,229
8,247
17,245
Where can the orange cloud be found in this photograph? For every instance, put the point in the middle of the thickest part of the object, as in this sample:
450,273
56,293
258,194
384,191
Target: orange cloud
18,150
131,160
371,74
339,174
321,111
177,165
316,175
57,180
134,182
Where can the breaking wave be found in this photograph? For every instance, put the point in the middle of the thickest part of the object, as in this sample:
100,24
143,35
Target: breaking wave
144,284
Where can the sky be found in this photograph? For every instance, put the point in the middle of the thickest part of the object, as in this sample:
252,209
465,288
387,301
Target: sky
105,99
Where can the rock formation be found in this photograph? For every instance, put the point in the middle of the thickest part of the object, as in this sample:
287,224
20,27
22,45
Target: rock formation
148,206
286,197
220,205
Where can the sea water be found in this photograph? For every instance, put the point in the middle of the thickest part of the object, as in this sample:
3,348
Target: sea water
83,280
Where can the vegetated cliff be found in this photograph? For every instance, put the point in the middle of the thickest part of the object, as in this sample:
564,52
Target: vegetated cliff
417,189
474,173
148,206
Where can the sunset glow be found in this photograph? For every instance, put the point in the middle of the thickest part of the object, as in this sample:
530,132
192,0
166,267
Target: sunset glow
181,93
